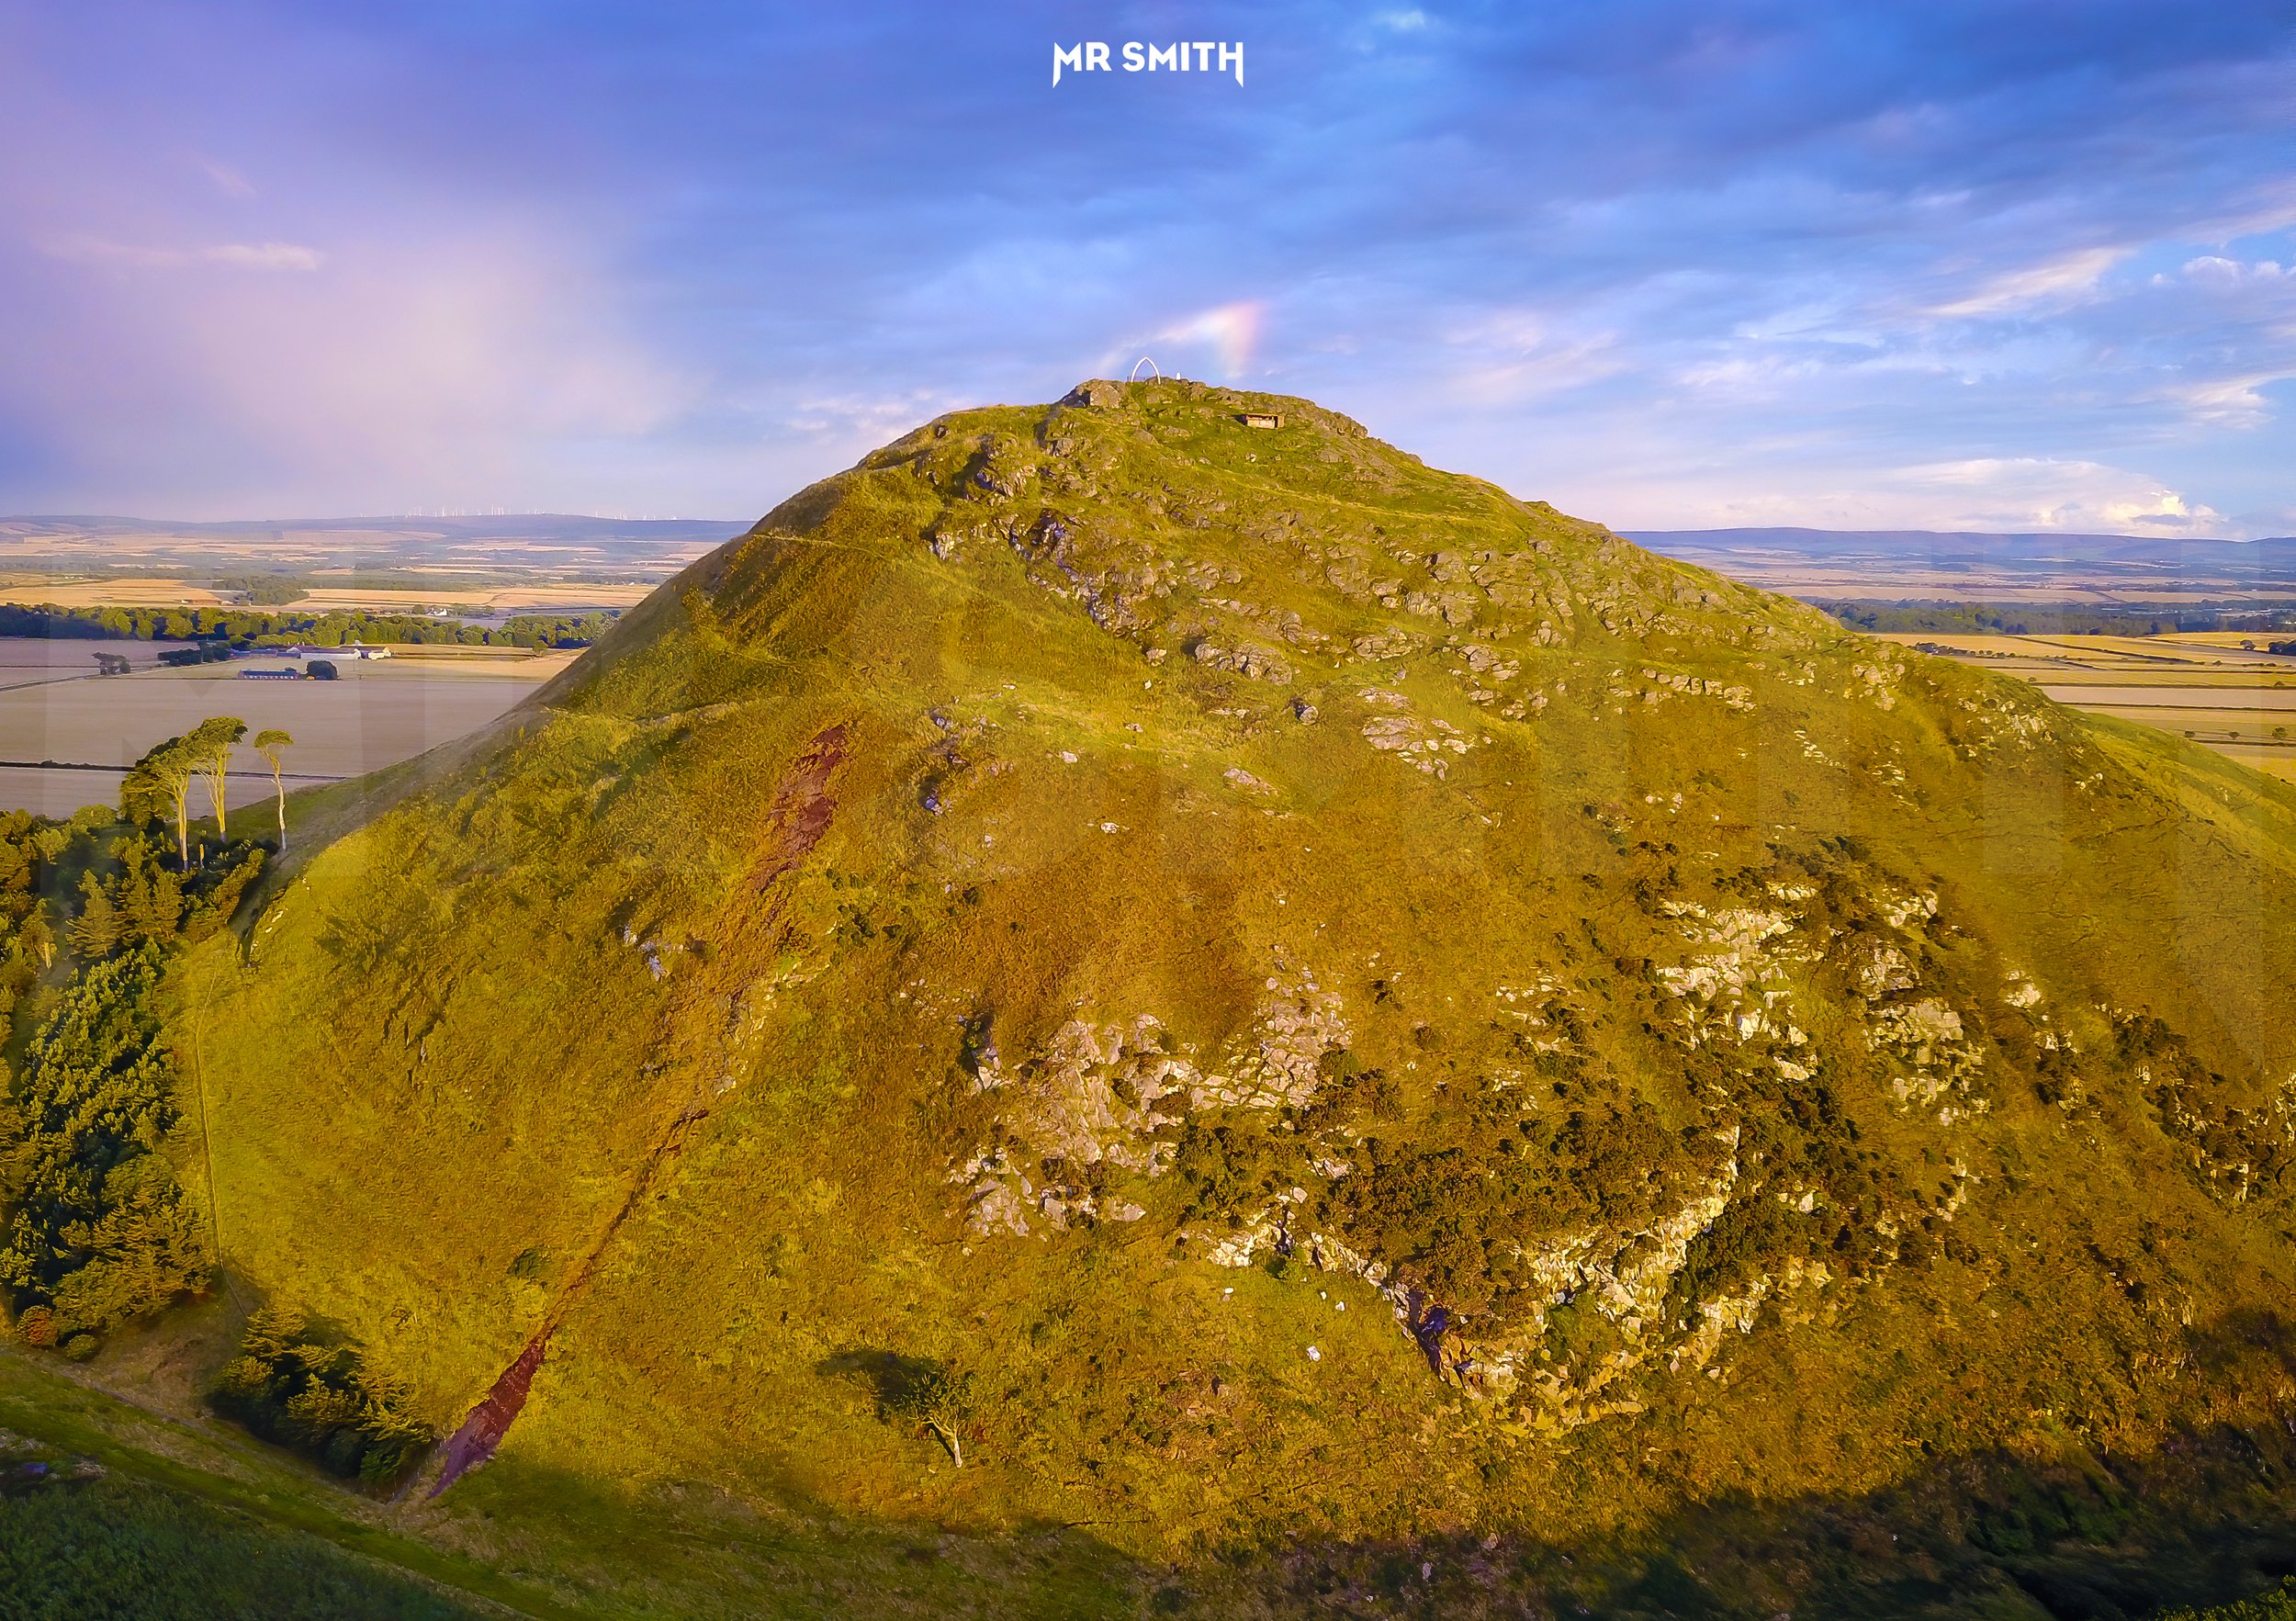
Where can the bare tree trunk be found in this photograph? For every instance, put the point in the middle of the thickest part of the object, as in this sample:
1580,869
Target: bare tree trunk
182,825
278,787
948,1440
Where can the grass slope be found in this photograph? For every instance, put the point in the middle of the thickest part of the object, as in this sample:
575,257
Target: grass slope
1267,888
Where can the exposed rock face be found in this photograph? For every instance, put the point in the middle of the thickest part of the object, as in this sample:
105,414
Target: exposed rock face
1095,1098
1102,1097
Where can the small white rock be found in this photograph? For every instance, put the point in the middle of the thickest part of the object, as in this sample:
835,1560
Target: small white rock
1314,1355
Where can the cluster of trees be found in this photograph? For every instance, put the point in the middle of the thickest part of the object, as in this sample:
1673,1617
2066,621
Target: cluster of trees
265,591
29,846
100,1231
319,1399
97,1230
932,1393
160,787
1450,1206
252,627
143,902
1978,619
2049,619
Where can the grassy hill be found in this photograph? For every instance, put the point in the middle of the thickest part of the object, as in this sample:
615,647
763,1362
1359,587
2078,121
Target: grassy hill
1350,1043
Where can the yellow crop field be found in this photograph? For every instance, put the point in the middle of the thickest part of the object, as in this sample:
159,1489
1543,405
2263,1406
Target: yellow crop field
474,601
461,598
2203,685
156,591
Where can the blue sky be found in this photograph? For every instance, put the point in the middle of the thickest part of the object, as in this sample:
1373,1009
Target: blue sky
1981,265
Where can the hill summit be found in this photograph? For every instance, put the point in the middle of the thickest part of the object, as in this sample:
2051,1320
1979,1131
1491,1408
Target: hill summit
1250,994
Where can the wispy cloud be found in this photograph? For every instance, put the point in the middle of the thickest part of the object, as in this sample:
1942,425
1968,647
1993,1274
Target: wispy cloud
2023,494
2057,281
95,249
223,177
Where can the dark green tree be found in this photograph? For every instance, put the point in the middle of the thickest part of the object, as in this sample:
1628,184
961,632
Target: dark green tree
150,897
98,931
102,1233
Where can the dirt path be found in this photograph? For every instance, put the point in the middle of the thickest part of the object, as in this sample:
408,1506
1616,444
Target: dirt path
801,814
482,1429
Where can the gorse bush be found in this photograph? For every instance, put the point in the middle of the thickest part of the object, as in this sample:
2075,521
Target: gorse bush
319,1399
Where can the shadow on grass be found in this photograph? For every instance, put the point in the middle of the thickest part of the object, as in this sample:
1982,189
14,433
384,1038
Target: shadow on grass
2208,1519
2207,1516
899,1383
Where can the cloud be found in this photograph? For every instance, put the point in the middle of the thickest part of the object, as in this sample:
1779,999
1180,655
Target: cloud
226,179
859,423
93,250
2017,492
2067,279
1512,357
2000,494
262,256
2237,401
2213,270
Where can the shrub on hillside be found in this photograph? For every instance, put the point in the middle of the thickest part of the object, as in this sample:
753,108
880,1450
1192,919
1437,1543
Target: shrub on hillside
320,1400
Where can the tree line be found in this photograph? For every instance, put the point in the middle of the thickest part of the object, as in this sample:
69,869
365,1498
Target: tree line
2059,619
246,627
96,1230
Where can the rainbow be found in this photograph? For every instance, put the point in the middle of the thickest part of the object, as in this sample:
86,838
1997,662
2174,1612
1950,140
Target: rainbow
1233,331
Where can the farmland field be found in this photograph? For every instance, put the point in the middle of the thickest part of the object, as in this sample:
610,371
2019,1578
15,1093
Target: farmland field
67,734
2203,685
462,598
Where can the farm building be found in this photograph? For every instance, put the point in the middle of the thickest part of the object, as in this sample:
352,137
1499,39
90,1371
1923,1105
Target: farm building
348,651
1261,418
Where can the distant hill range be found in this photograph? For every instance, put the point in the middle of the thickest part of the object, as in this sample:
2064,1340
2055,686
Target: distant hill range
518,543
2049,567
